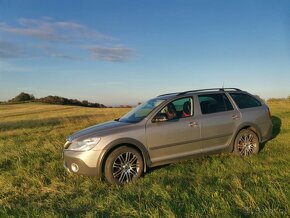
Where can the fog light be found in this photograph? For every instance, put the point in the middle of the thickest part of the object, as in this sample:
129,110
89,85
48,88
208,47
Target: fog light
74,167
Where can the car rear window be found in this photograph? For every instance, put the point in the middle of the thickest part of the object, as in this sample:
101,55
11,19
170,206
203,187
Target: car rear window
245,101
212,103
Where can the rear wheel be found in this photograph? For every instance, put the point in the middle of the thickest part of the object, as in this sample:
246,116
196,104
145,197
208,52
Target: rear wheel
123,165
246,143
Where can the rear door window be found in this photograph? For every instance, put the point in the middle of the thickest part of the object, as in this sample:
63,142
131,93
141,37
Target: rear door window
245,100
213,103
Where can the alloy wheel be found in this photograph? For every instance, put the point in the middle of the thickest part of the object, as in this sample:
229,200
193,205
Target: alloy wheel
126,167
247,144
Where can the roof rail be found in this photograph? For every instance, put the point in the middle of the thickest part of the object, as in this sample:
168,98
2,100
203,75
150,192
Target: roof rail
201,90
229,89
173,93
212,89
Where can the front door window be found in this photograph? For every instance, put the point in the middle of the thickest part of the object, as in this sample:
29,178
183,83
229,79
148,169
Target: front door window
180,108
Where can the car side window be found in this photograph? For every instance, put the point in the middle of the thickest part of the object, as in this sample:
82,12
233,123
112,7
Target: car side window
213,103
180,108
245,101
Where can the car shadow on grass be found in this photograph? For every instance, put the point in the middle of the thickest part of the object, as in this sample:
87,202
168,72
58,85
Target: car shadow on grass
150,170
276,121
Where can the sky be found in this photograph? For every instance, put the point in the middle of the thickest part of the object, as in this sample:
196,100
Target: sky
124,52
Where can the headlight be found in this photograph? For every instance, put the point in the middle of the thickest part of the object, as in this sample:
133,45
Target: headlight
84,145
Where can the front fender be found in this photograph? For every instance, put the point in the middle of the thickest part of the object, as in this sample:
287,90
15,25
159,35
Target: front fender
124,141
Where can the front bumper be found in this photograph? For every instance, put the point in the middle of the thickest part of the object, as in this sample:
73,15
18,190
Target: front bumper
87,162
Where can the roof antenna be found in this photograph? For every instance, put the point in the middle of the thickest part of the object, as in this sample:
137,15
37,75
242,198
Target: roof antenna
223,84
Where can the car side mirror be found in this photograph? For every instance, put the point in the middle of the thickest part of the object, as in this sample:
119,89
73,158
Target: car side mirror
159,118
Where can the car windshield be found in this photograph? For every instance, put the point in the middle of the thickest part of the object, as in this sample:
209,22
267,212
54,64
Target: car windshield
141,111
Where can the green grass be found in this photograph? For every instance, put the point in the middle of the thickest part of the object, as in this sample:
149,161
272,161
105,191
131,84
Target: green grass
34,183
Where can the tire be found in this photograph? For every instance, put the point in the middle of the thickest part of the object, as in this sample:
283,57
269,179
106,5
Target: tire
123,165
246,143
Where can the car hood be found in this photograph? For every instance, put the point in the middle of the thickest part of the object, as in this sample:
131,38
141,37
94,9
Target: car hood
94,130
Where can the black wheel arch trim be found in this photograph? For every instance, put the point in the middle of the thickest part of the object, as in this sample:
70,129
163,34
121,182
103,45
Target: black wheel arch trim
124,141
245,125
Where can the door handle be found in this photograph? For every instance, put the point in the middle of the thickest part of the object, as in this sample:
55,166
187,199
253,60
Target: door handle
193,124
235,117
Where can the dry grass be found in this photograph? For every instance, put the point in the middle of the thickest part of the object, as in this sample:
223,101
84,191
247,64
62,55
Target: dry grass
34,183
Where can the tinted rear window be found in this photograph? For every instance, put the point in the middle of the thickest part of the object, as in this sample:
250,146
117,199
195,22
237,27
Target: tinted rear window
245,101
213,103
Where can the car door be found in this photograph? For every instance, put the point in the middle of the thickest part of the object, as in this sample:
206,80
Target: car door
174,137
218,121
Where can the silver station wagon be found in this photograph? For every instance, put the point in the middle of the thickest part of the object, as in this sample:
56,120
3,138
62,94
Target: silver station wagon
169,128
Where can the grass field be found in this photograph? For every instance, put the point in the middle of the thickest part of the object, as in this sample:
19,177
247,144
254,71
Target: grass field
34,183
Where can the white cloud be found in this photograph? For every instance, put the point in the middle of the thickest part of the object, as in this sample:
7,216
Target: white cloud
50,30
114,54
58,39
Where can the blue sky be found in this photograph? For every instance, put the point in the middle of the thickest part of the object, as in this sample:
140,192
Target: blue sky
123,52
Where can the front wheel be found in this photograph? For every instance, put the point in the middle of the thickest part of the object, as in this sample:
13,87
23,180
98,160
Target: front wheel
123,165
246,143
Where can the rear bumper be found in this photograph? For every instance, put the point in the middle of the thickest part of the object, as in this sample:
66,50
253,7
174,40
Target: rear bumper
86,162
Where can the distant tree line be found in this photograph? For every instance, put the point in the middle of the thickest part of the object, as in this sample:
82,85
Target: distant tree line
25,97
22,97
279,99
